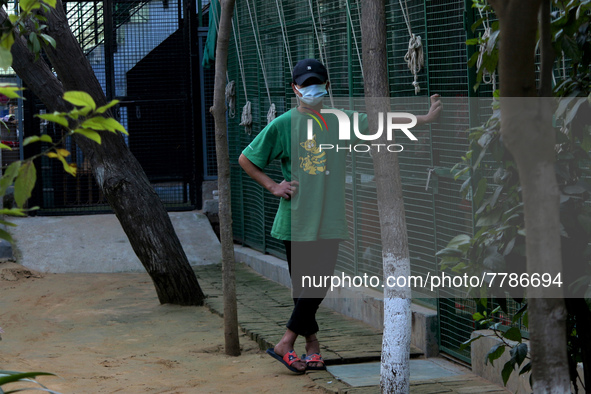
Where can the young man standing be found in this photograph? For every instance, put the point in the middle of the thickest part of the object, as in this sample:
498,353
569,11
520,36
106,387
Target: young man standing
311,216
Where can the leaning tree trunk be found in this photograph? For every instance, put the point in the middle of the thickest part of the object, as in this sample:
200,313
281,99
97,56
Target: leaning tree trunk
527,133
120,176
223,159
395,372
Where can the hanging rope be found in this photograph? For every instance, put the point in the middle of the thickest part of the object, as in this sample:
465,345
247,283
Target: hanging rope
246,117
487,77
355,38
255,32
321,49
284,33
272,114
414,58
231,99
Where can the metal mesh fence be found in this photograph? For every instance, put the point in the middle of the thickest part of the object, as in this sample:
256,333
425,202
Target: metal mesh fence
131,55
268,36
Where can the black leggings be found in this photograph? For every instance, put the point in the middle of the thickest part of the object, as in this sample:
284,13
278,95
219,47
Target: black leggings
314,259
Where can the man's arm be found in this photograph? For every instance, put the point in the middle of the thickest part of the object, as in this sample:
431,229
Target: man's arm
433,113
284,189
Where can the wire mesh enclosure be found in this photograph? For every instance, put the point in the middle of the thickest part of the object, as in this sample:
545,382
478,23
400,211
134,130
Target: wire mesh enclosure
142,55
269,37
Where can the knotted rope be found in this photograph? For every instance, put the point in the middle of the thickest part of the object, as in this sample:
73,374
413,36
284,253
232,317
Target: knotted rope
231,98
246,118
255,31
487,77
272,113
414,58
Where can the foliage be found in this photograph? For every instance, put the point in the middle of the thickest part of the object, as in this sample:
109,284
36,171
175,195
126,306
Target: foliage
486,57
7,377
498,246
84,119
508,338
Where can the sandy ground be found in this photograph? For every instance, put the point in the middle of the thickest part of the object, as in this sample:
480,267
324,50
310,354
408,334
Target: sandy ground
106,333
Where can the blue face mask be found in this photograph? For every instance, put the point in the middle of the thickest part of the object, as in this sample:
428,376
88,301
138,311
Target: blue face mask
313,94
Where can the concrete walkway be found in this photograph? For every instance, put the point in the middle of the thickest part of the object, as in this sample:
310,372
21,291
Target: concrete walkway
97,243
264,307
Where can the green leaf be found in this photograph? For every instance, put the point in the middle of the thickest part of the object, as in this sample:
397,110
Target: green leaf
16,376
513,334
519,313
67,167
10,91
74,114
480,191
494,353
90,134
105,107
459,240
8,177
570,48
55,117
507,371
5,223
102,123
24,184
6,235
35,42
12,212
469,341
449,252
50,3
35,138
28,5
573,111
7,40
490,44
115,126
493,260
563,105
526,368
519,353
478,316
6,147
5,58
495,196
80,99
488,220
48,40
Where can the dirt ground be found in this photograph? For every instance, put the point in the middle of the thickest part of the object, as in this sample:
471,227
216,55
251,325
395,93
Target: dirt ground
107,333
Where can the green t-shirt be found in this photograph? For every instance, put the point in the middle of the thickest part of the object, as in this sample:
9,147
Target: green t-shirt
317,210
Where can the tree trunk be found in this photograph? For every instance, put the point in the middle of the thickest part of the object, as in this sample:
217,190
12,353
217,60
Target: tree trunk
395,372
120,176
223,159
527,133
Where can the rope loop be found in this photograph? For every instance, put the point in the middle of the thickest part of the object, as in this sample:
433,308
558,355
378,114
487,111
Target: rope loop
415,59
231,99
246,118
272,114
487,76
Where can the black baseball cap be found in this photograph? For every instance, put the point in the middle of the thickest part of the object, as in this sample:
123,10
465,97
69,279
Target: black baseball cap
309,68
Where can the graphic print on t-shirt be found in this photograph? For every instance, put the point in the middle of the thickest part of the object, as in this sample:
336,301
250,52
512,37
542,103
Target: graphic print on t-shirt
315,160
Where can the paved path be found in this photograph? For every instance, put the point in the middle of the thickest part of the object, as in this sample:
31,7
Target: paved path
97,243
264,307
